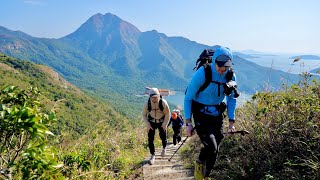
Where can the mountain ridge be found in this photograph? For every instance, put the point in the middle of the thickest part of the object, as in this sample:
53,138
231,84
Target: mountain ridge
111,58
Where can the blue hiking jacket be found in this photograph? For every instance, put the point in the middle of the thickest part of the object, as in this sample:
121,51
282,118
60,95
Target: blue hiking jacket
209,96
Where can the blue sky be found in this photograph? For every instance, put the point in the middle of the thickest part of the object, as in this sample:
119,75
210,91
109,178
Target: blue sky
287,26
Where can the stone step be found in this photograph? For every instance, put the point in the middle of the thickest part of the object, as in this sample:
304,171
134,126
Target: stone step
167,158
163,162
168,173
160,168
185,178
166,155
164,169
168,149
156,167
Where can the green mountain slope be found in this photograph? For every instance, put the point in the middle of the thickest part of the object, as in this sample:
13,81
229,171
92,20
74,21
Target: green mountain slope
91,139
77,67
113,60
76,111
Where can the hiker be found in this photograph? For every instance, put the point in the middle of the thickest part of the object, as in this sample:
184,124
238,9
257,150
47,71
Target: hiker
207,107
177,124
156,114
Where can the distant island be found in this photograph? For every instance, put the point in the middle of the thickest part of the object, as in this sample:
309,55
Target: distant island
315,71
306,57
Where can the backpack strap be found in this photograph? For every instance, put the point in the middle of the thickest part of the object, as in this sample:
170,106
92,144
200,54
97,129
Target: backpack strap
160,104
181,121
208,76
149,105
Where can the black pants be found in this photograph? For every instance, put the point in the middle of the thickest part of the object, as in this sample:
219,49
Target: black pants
210,131
176,134
151,133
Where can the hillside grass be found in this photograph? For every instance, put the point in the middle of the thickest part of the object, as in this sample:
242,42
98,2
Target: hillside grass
284,139
76,111
92,140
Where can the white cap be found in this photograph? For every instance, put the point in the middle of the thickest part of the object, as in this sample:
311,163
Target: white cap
153,92
177,111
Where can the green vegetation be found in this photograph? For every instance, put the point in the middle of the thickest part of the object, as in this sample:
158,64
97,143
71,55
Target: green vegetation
284,142
91,140
74,107
24,149
52,130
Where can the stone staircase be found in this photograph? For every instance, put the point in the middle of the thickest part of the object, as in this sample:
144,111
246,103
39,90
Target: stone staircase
164,169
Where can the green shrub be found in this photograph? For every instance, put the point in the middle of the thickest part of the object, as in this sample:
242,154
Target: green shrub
24,149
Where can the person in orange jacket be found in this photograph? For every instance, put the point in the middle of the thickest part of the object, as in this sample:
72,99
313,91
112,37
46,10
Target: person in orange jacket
177,124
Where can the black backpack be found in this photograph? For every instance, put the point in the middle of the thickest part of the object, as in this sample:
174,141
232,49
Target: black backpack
160,104
205,60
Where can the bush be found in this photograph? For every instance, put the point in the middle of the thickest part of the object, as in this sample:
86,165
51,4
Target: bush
24,150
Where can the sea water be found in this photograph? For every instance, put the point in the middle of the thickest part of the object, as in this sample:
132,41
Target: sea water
285,63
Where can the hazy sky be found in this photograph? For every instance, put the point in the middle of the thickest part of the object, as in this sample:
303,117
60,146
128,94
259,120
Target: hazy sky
269,25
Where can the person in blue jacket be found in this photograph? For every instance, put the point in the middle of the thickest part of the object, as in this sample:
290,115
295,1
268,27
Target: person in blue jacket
177,124
207,106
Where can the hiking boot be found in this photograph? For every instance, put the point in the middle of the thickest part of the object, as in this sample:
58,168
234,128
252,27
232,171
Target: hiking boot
198,171
179,139
206,173
163,152
152,159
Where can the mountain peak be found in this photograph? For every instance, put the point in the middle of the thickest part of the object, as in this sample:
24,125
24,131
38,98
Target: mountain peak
99,26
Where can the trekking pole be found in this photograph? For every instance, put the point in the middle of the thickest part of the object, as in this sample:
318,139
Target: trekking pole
181,144
242,132
178,148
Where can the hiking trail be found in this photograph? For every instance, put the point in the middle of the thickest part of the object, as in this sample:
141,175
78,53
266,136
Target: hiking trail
164,169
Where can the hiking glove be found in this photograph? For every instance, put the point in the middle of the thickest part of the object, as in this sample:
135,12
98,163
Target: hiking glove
189,129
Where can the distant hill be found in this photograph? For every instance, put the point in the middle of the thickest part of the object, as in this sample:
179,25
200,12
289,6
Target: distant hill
244,56
315,71
250,51
73,106
112,59
306,57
